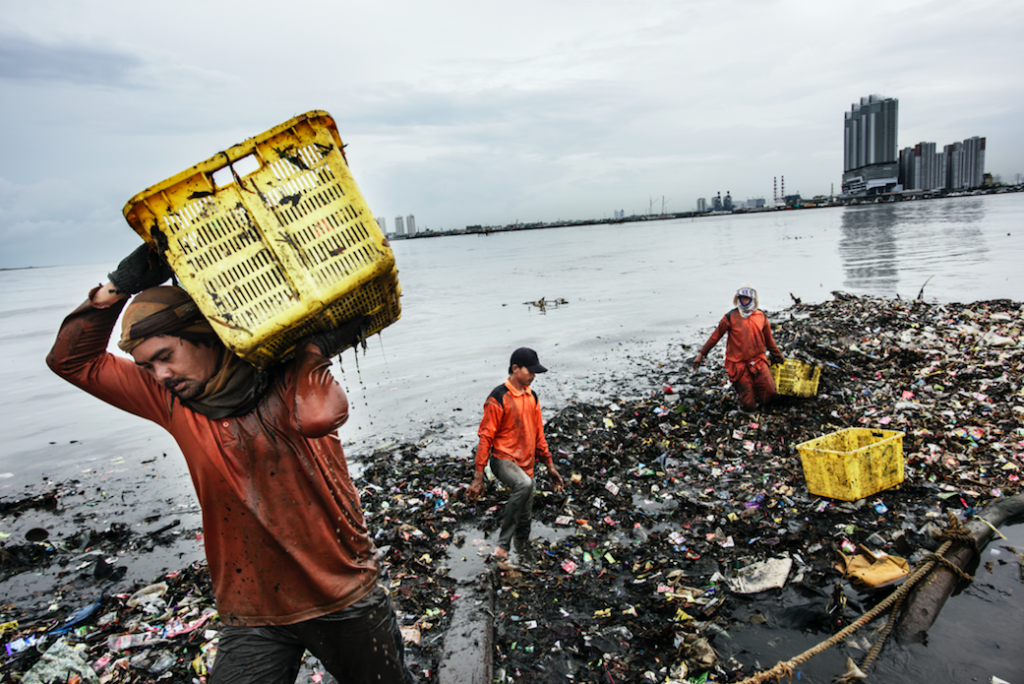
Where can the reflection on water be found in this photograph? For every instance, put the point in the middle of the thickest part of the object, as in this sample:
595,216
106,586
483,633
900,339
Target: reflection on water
869,249
881,243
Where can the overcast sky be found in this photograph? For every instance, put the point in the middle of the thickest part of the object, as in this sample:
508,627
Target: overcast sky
481,112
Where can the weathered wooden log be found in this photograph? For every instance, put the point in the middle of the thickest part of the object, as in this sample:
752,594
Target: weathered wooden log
468,656
929,595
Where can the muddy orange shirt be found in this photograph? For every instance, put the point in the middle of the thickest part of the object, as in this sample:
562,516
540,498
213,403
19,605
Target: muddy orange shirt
282,524
748,337
512,429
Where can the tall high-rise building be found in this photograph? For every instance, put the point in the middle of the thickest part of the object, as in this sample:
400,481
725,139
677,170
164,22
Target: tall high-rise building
702,205
906,175
410,225
399,226
972,163
869,145
925,167
870,132
953,154
383,223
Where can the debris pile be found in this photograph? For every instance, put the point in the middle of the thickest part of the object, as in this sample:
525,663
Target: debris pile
678,505
678,508
167,627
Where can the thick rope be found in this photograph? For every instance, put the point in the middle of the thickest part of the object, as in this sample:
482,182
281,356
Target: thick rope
786,668
949,565
956,532
882,637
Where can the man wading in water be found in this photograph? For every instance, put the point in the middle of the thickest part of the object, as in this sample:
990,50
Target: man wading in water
749,335
292,565
511,439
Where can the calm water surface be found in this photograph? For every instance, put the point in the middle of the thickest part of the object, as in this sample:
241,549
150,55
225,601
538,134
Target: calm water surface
631,290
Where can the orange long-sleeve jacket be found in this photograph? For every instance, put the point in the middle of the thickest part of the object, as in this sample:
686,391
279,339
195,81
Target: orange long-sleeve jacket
283,528
512,429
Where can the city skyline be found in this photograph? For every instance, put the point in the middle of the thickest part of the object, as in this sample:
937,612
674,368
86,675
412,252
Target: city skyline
465,121
959,166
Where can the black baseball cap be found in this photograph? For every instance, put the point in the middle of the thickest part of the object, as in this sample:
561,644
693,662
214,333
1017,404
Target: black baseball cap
526,358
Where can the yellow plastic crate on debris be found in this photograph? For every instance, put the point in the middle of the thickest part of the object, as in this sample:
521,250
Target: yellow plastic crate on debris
795,378
273,239
852,464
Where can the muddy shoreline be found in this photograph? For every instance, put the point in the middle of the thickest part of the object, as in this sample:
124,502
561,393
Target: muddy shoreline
672,492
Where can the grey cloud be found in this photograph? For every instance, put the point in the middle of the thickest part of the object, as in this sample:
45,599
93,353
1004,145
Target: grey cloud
54,221
25,58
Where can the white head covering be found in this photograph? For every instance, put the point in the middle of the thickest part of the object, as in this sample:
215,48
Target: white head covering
745,290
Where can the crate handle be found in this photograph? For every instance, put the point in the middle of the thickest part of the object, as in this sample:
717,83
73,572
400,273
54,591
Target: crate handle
248,164
876,434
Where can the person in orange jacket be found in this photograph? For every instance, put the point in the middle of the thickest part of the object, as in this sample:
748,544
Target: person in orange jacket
511,440
749,334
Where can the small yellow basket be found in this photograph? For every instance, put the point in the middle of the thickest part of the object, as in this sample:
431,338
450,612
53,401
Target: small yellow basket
273,239
852,464
795,378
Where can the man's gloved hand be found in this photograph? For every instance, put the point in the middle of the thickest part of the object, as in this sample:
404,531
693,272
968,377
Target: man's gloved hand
777,358
140,270
333,342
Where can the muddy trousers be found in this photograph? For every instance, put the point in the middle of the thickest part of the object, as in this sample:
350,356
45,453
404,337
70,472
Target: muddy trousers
753,383
519,509
360,644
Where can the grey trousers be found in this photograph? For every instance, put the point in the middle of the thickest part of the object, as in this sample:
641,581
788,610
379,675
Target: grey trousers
358,644
519,509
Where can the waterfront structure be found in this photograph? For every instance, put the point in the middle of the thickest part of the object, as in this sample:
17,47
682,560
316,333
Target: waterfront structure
716,202
399,225
410,225
383,223
869,146
702,205
756,203
727,202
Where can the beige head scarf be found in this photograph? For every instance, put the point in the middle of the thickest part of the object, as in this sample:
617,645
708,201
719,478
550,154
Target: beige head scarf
237,386
163,310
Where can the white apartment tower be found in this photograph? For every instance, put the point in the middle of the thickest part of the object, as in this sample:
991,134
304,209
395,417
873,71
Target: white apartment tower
399,226
410,224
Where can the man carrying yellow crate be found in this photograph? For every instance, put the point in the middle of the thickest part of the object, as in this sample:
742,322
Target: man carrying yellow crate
292,565
749,335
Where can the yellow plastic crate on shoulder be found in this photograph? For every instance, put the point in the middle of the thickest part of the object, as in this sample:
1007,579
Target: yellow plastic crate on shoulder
273,239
